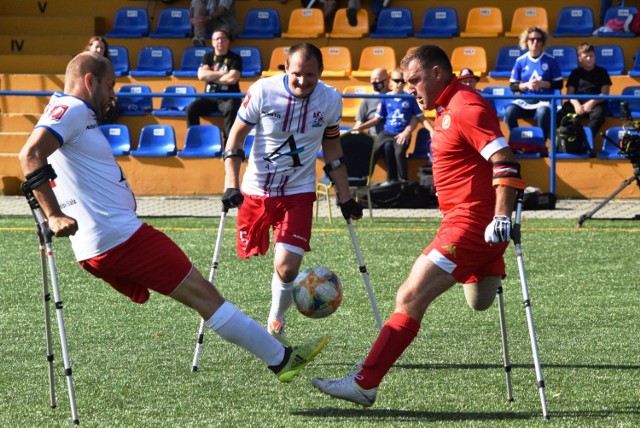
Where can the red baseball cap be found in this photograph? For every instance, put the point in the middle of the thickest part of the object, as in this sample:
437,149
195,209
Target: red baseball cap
467,73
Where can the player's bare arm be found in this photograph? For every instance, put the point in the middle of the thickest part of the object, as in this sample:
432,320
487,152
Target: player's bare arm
234,153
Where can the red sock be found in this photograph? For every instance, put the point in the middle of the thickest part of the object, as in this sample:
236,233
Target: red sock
396,334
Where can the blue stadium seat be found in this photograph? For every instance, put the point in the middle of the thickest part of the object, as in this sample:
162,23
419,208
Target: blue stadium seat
527,135
118,137
173,23
154,61
132,105
618,13
248,142
589,135
393,22
610,57
574,21
635,70
634,104
202,141
130,22
156,140
499,104
566,57
610,148
505,59
174,105
422,148
261,23
439,22
191,60
251,60
119,56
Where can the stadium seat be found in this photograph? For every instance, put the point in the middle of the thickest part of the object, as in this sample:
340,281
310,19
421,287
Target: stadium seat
342,29
633,104
154,61
574,21
505,60
119,56
276,62
422,147
610,57
337,61
350,105
133,105
118,137
191,60
248,142
439,22
530,16
202,141
589,135
483,22
610,148
527,135
473,57
373,57
261,23
156,141
566,57
619,13
499,104
130,22
635,70
305,23
174,105
173,23
251,60
393,22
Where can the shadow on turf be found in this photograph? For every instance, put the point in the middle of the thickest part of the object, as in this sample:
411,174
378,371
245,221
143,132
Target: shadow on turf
412,415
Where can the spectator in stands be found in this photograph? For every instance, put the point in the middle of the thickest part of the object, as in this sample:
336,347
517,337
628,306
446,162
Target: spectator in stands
99,45
535,72
587,79
468,78
209,14
329,8
400,117
220,70
368,106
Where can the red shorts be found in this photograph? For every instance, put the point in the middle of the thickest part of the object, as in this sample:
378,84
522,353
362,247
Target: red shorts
148,260
290,216
462,251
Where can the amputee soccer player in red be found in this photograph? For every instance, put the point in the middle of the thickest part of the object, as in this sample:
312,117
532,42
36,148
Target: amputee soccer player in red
477,177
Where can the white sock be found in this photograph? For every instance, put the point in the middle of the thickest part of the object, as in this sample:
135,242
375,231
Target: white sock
231,324
281,297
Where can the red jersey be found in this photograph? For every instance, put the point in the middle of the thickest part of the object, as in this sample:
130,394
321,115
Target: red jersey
466,134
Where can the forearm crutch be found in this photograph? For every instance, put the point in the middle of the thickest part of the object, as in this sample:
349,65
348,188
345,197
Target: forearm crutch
505,346
365,274
45,235
212,276
515,235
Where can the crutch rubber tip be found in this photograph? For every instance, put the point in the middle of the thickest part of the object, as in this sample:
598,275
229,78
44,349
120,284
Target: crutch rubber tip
76,422
194,368
510,400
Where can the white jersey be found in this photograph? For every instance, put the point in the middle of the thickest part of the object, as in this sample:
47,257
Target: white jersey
90,186
288,135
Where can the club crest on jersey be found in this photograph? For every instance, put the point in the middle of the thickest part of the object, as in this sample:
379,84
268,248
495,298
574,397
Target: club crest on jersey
318,119
446,121
56,112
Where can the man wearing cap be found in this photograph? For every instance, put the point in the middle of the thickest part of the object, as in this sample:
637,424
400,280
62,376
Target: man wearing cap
468,78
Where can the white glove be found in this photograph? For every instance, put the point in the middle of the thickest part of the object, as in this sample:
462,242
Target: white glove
499,230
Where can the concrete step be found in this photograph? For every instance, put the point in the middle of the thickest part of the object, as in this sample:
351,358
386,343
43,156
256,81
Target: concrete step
12,142
48,25
18,122
21,44
34,64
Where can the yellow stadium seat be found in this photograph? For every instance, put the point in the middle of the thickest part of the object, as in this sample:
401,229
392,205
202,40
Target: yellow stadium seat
276,63
373,57
342,29
337,61
483,22
350,105
530,16
305,23
473,57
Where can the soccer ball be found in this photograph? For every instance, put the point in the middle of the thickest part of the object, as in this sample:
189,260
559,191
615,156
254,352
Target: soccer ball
317,292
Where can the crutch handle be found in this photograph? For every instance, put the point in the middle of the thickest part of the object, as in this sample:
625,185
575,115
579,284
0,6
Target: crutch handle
515,230
42,225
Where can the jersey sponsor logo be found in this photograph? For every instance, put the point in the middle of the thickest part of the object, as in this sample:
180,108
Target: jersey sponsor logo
318,119
272,114
68,203
56,112
247,98
446,121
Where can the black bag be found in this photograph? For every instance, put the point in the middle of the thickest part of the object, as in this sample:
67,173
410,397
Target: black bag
570,136
402,194
538,201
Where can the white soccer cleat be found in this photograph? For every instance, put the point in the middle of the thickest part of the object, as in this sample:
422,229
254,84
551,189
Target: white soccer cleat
346,388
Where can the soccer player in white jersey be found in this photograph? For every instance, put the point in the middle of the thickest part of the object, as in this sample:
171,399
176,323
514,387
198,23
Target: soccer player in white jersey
71,171
294,114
